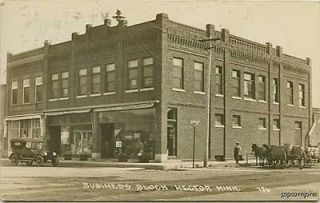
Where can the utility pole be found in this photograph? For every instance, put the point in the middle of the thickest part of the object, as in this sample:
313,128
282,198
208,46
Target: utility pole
206,152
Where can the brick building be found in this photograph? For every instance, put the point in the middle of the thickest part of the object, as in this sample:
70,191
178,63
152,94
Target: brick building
141,85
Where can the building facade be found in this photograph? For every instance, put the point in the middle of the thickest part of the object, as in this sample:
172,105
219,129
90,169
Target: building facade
122,88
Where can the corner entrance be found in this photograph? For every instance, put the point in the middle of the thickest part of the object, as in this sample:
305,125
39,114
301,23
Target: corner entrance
107,141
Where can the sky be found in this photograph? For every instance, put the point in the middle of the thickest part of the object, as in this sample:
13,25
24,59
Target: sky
294,25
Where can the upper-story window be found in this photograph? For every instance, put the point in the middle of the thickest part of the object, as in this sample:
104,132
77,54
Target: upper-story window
249,85
262,87
262,123
147,72
219,89
14,92
219,119
54,86
290,92
235,83
275,95
302,101
95,80
132,74
26,91
276,124
38,90
236,121
198,77
82,82
110,81
178,78
65,84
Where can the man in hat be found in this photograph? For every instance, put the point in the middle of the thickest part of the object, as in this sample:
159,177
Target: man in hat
236,152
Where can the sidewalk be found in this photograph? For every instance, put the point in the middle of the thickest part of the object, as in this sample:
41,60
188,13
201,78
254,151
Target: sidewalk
170,165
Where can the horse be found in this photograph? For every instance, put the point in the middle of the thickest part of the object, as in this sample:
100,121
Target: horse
259,153
275,155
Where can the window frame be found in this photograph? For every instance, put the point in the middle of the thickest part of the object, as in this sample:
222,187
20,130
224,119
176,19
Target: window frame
219,78
147,66
52,81
290,96
14,87
237,80
250,81
84,76
276,127
95,72
302,96
275,90
264,126
238,123
129,78
26,87
38,84
262,88
107,82
200,70
219,124
64,78
181,69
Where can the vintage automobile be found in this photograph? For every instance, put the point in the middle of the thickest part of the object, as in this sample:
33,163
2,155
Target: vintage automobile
31,150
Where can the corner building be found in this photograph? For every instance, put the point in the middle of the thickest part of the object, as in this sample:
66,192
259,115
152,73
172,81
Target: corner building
126,87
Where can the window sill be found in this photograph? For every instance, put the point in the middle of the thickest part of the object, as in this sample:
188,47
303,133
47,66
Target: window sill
291,105
131,91
64,98
276,129
81,96
262,128
262,101
219,95
95,95
53,99
239,98
146,89
178,90
276,103
303,107
109,93
219,126
198,92
236,127
249,99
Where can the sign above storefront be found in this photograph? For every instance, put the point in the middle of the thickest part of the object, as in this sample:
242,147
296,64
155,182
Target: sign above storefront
126,107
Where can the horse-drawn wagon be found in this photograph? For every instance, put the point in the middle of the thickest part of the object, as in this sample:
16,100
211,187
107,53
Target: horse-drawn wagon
282,156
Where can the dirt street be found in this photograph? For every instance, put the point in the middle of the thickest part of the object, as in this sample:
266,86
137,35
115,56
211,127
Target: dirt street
125,184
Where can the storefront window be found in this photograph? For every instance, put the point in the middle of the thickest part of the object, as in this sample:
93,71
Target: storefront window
82,142
127,133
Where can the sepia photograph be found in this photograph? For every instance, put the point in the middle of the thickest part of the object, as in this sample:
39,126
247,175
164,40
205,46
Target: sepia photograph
159,101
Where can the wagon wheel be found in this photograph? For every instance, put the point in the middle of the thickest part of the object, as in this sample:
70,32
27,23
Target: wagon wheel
39,160
29,163
14,160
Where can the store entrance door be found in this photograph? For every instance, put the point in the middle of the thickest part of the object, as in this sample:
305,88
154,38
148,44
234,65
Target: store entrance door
107,142
171,140
55,138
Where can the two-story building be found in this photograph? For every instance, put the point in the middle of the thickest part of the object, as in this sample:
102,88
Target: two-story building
130,87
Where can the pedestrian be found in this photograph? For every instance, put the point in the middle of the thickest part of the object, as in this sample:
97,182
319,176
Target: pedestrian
236,152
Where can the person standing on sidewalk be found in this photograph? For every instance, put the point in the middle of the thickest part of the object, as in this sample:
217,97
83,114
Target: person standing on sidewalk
236,152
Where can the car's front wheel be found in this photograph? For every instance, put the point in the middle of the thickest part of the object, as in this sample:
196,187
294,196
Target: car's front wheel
14,160
39,160
55,161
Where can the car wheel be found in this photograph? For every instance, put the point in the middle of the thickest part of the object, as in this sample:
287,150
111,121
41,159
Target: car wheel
55,161
14,160
29,163
39,160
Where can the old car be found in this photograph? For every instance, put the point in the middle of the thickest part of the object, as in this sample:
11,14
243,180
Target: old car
31,150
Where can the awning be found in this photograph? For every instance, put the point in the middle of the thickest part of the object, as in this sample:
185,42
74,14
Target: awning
58,113
126,107
16,118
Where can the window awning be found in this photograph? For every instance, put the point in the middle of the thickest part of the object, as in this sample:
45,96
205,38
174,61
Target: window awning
16,118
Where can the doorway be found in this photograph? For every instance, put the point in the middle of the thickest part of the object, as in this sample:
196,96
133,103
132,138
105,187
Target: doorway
107,141
172,139
55,138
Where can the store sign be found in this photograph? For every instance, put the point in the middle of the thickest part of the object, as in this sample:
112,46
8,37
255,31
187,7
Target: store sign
126,107
194,122
118,144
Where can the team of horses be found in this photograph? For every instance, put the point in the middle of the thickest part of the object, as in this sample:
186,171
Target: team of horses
278,155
